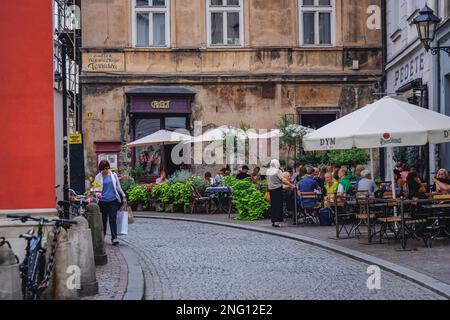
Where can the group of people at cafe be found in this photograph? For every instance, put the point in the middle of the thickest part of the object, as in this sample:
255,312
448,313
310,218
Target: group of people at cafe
328,181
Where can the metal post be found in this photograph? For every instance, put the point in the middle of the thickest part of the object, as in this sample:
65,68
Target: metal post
403,223
65,129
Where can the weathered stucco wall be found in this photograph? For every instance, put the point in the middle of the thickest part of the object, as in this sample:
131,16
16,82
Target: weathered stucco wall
216,105
267,23
106,23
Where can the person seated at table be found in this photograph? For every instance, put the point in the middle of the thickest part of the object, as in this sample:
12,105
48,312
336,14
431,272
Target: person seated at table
162,177
256,176
404,172
367,184
227,172
414,188
308,184
359,169
219,177
296,173
288,195
243,173
208,179
331,186
442,181
319,176
345,186
399,184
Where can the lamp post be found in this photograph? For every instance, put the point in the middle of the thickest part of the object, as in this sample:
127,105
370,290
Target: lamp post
427,23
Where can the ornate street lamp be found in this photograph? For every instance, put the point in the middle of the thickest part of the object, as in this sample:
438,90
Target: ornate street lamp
426,23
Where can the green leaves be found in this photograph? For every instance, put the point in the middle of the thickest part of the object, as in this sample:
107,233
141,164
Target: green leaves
249,201
139,194
350,158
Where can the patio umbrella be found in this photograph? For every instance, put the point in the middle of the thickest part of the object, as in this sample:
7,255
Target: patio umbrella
162,137
277,132
219,134
387,123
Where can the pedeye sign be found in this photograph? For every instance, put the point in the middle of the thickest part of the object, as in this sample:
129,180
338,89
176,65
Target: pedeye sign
387,139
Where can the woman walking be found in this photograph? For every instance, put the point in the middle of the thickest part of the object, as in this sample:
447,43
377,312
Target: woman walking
276,181
111,196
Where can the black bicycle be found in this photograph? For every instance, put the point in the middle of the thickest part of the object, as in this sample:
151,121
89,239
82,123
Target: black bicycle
35,276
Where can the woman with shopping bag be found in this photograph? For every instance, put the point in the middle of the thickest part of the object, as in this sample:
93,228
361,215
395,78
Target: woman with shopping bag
111,197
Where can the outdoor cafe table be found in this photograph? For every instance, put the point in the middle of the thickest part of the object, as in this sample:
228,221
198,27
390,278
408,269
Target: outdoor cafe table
222,193
439,212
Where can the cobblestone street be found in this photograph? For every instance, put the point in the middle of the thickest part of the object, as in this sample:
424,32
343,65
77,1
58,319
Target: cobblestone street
183,260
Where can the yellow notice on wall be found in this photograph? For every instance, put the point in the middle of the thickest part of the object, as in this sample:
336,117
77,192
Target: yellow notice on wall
75,138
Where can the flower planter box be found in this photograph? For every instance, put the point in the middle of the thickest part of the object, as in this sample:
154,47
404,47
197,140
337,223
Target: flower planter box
169,208
160,207
187,209
177,208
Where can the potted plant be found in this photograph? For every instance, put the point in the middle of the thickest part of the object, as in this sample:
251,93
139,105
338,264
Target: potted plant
163,194
138,197
182,196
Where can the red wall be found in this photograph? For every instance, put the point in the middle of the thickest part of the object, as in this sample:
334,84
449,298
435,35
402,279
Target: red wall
27,168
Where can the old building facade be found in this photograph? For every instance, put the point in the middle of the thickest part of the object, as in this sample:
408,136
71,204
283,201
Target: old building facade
154,64
415,74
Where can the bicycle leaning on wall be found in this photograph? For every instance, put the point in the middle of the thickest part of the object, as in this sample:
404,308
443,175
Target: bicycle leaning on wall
33,272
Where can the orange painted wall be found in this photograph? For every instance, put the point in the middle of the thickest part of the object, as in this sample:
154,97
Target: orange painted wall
27,168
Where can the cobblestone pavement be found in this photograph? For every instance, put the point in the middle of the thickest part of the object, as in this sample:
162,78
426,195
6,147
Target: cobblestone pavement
190,261
433,262
113,277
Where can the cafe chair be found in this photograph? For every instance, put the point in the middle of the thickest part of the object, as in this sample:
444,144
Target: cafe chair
344,217
309,205
197,199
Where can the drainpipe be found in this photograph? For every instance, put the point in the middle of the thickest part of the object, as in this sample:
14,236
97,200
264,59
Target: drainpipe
383,85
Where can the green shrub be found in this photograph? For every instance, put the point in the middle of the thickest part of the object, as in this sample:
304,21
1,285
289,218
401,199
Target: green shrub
139,194
198,183
180,176
181,193
163,193
137,173
249,201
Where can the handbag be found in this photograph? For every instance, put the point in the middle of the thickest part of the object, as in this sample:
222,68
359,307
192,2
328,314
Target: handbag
130,216
122,222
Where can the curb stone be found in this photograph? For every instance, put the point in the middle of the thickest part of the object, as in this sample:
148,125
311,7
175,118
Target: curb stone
136,283
421,279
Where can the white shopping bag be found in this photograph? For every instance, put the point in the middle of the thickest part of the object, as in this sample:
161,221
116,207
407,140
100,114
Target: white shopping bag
122,222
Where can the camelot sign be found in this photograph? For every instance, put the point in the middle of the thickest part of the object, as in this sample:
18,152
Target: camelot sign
104,62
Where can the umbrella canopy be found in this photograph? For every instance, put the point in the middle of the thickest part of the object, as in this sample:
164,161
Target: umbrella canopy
162,137
389,122
220,132
277,132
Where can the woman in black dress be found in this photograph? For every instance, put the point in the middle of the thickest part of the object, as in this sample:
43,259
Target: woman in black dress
276,181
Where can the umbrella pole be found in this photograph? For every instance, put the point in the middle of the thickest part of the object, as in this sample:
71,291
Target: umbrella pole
392,168
371,164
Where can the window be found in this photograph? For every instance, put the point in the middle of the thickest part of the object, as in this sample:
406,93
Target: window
151,23
447,9
317,22
225,23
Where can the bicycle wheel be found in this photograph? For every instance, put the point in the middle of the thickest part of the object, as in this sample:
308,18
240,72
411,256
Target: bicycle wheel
35,275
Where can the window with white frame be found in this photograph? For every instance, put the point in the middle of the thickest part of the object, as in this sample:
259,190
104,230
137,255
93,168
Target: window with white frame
447,9
225,23
151,23
317,22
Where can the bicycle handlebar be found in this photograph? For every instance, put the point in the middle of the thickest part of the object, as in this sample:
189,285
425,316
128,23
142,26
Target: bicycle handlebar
26,218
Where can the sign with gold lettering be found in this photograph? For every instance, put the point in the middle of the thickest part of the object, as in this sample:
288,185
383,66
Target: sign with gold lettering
164,104
104,62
